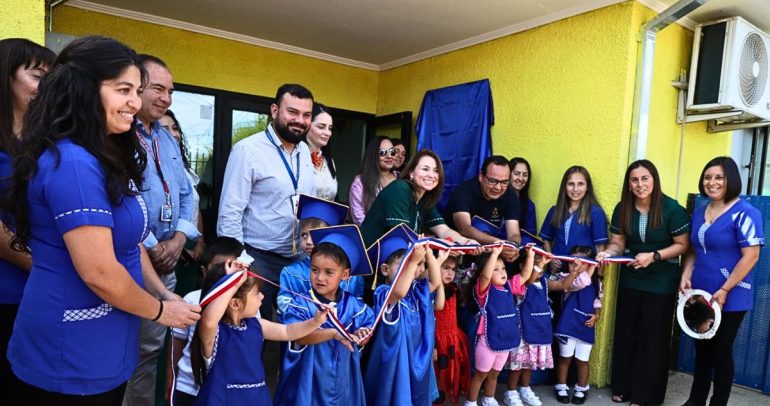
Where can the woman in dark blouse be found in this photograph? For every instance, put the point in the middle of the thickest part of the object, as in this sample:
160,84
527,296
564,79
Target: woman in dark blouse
411,200
651,228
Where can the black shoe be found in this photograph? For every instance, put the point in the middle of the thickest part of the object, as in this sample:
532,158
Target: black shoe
561,398
579,400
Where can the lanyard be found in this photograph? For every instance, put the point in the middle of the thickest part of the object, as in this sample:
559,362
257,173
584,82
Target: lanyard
155,154
294,180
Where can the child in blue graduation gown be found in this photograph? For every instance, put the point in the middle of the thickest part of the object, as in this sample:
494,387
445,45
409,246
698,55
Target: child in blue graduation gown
401,362
324,367
229,334
312,213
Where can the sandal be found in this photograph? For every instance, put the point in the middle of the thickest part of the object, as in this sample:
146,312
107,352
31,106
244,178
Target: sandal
619,398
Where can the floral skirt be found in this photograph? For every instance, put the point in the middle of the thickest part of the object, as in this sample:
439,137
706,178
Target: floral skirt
531,356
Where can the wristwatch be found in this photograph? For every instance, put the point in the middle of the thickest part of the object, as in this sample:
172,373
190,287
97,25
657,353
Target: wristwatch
656,256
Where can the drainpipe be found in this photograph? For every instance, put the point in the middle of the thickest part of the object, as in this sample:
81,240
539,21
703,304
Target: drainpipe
51,6
640,121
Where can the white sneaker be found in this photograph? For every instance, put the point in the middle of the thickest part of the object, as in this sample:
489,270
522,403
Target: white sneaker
529,397
485,401
511,398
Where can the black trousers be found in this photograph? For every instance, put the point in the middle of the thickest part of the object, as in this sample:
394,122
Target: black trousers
41,397
714,361
641,349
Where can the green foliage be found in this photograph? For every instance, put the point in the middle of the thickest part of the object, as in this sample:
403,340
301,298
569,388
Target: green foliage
246,128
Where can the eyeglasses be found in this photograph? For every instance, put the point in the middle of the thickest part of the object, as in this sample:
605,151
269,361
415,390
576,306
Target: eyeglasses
496,182
385,152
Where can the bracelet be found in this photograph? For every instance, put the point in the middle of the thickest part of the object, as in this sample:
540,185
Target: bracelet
160,311
726,291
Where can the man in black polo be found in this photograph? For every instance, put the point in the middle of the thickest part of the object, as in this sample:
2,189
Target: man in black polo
488,197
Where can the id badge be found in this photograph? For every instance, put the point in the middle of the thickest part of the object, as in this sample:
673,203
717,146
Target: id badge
165,213
294,204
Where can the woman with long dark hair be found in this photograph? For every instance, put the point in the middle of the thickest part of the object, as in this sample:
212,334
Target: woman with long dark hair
725,237
375,174
317,138
653,229
75,199
22,64
521,178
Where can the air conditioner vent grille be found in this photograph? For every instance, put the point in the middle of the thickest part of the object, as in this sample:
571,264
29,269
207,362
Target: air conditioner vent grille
753,69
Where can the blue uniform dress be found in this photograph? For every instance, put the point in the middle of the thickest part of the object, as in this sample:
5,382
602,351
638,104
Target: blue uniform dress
718,248
236,375
398,372
536,314
571,233
578,308
326,373
67,339
502,321
14,278
296,277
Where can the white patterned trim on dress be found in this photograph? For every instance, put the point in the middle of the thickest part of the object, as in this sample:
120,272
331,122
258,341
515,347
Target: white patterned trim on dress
680,228
76,211
210,361
643,227
143,206
541,314
741,284
242,327
245,385
88,313
567,226
702,236
582,312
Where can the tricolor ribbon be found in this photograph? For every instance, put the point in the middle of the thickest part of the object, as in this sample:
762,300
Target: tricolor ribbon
619,260
228,281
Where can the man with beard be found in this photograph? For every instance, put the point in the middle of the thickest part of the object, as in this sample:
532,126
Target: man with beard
266,172
483,208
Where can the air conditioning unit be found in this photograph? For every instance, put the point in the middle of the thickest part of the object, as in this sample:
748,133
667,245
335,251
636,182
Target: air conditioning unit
730,70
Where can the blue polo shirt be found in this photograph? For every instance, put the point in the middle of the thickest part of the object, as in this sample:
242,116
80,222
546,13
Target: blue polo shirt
66,338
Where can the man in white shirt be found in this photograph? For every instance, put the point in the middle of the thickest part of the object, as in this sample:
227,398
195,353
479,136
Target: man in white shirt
266,172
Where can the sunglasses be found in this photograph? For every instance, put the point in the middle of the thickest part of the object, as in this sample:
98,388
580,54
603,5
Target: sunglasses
385,152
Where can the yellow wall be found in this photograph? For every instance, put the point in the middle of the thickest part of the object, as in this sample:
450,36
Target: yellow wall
672,55
218,63
560,95
563,95
23,19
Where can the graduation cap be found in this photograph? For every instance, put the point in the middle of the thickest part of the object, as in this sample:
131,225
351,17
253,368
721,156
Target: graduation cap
348,237
332,213
399,237
485,226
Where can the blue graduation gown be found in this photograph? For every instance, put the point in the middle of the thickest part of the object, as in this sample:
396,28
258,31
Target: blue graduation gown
398,372
296,277
326,373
